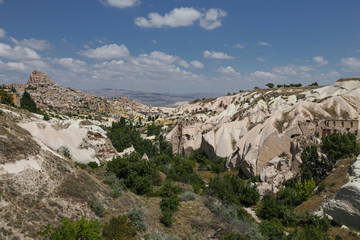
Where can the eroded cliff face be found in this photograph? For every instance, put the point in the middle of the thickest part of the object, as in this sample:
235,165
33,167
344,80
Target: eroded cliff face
344,208
251,128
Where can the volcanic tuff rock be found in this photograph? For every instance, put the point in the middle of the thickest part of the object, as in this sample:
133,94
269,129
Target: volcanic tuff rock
251,128
345,207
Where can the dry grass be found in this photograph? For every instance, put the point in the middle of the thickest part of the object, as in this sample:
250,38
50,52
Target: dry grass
343,233
333,183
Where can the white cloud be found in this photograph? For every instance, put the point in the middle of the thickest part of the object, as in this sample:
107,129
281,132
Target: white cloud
226,70
261,43
111,51
121,3
36,44
291,69
178,17
17,52
183,17
10,66
351,62
261,59
2,1
154,41
2,33
264,75
320,60
71,64
212,18
184,63
239,45
196,64
216,55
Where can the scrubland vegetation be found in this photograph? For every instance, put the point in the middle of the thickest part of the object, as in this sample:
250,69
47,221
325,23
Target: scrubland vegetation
226,195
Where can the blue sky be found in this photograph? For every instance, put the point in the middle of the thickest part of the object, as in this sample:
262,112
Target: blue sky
179,46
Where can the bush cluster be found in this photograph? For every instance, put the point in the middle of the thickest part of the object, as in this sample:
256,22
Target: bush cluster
136,215
117,185
217,165
82,229
170,202
232,189
97,207
139,174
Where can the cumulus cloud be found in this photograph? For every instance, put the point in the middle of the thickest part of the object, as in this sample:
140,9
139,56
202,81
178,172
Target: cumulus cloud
17,52
178,17
12,66
36,44
320,60
226,70
264,75
121,3
71,64
2,33
261,43
196,64
183,17
212,18
216,55
351,62
111,51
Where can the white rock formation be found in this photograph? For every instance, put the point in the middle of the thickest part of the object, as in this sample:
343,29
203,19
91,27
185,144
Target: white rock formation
251,128
345,207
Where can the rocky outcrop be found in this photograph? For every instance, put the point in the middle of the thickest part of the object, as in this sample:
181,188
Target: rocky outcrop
85,143
274,174
251,128
345,207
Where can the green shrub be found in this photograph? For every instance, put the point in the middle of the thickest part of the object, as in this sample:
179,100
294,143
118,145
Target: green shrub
337,146
65,151
46,117
232,189
68,230
273,229
188,196
313,166
97,207
117,185
93,165
170,202
119,228
139,174
26,102
137,216
305,189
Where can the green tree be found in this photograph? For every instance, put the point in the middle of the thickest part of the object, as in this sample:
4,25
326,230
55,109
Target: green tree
337,146
313,166
6,98
68,230
273,229
28,103
270,85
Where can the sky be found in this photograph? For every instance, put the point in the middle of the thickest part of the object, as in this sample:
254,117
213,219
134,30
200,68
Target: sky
180,46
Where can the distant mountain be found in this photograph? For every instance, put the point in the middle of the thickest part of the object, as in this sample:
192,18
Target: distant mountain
154,99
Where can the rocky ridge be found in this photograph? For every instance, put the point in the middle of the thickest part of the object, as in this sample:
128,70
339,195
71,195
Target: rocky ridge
251,128
58,99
